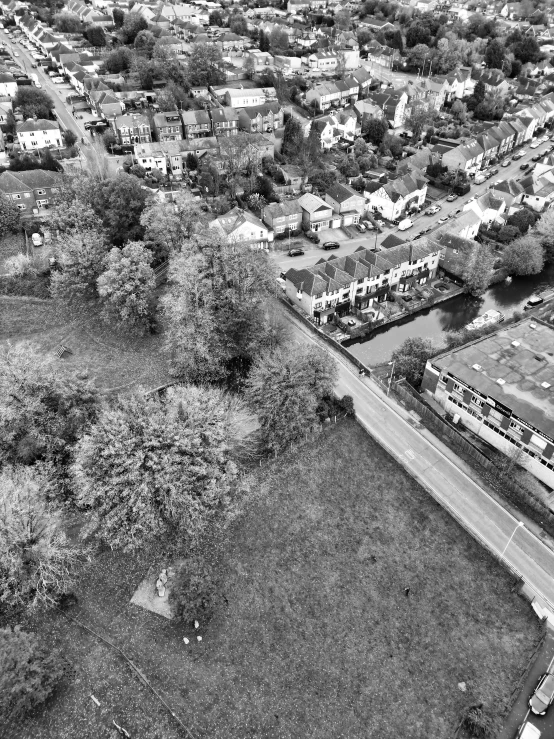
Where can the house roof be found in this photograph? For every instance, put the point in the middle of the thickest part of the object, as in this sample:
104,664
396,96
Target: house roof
286,208
40,124
312,203
231,221
253,111
31,179
341,193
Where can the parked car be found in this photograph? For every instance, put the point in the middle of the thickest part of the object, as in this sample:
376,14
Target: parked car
443,219
535,145
380,223
543,696
518,154
537,157
312,237
533,302
331,245
494,171
36,238
451,198
524,166
506,163
528,731
432,210
360,227
369,225
295,252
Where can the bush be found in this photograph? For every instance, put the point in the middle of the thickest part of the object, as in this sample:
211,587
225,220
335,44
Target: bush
19,266
195,591
347,404
29,672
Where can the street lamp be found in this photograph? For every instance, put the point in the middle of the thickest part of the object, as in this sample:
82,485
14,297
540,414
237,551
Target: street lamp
391,376
511,537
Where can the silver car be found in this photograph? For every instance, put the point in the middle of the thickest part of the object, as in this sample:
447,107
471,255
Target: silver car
543,695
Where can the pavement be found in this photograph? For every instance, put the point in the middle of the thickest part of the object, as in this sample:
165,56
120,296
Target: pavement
444,475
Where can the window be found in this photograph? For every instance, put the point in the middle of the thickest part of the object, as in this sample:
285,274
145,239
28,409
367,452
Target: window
16,197
495,416
41,192
479,402
21,206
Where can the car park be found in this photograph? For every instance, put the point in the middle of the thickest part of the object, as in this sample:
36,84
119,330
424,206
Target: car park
295,252
543,696
451,198
331,245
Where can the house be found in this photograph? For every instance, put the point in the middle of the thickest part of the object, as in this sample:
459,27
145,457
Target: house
322,61
8,85
493,79
31,189
225,121
283,218
316,213
466,157
347,202
245,98
168,126
466,225
538,189
395,198
379,53
348,88
510,191
489,207
500,388
297,7
374,24
434,90
132,129
455,251
196,123
170,157
392,104
242,226
490,146
511,11
367,109
5,108
105,103
364,80
38,133
324,95
288,65
261,118
360,281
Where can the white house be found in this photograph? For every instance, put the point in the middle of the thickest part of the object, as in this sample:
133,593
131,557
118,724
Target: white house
242,226
396,198
8,85
38,134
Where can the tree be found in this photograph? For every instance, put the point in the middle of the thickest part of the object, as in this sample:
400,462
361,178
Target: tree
348,167
417,56
524,256
70,138
71,210
523,219
120,202
459,111
144,43
215,19
195,592
96,35
79,257
479,91
29,673
293,137
33,102
204,65
343,20
494,54
10,216
132,25
375,129
285,387
238,24
264,44
278,41
249,67
119,60
192,161
410,359
478,723
417,34
420,116
360,148
544,227
168,226
127,286
118,17
67,23
528,50
36,559
151,466
478,269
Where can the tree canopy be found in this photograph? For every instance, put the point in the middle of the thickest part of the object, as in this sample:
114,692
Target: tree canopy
119,202
524,256
410,359
33,102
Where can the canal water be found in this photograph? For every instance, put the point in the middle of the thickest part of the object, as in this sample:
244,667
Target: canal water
449,316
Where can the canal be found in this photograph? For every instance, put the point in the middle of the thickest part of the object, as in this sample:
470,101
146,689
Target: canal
449,316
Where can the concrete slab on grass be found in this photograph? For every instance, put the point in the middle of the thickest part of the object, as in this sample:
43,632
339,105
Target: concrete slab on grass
146,596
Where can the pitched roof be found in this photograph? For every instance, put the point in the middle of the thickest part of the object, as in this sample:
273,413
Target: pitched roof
40,124
341,193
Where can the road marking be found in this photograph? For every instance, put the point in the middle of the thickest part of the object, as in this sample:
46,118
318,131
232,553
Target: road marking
410,454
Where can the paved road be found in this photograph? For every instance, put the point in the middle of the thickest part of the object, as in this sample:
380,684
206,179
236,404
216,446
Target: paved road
314,252
442,473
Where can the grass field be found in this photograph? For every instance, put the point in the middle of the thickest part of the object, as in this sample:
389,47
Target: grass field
318,639
10,246
110,359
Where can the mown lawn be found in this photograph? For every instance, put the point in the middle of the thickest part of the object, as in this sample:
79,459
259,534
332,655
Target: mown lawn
318,639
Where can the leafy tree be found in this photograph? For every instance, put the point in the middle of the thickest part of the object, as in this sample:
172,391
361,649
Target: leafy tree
69,137
478,723
32,101
278,41
411,357
195,592
132,25
478,269
119,60
417,34
264,44
167,226
36,559
120,202
238,24
67,22
293,138
127,286
459,111
96,35
544,227
215,19
507,234
118,17
528,50
285,387
524,256
152,466
479,91
249,67
29,672
360,148
494,54
523,219
144,43
375,129
10,217
79,257
420,116
204,65
192,161
343,20
417,56
348,166
71,209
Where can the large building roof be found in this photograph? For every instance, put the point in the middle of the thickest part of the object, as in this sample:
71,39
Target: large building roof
521,357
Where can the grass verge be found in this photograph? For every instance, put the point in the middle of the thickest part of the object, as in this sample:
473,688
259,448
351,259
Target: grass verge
319,638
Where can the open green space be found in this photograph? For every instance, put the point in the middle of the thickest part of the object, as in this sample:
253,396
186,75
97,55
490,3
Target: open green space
318,638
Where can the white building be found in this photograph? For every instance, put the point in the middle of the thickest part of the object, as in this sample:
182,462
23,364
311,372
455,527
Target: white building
8,85
397,197
39,134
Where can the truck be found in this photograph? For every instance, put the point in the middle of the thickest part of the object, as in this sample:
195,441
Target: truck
462,189
34,77
405,224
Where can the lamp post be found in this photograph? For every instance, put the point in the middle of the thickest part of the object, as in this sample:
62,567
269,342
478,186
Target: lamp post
391,376
511,537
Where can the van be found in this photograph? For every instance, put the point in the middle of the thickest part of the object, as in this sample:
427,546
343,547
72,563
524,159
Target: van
479,179
528,731
405,224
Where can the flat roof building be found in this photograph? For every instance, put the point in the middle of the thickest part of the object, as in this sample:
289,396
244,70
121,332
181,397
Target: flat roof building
502,387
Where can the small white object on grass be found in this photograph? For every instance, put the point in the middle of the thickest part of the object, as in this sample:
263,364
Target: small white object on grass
185,640
95,699
196,624
199,638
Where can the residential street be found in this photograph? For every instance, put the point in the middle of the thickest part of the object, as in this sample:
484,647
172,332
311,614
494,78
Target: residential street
442,474
313,252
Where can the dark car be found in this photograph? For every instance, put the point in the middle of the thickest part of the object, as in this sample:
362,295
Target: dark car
494,171
524,166
295,252
543,696
313,237
533,301
537,157
331,245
